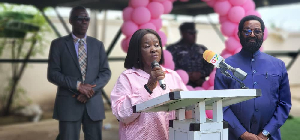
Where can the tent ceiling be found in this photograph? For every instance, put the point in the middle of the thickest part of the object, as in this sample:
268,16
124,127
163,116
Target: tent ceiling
192,7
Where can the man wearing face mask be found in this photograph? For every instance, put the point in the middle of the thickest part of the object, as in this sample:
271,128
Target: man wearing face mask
188,56
258,118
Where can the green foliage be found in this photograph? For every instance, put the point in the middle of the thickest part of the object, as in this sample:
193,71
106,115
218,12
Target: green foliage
21,99
6,7
2,42
290,130
20,16
39,20
7,15
20,27
16,24
29,22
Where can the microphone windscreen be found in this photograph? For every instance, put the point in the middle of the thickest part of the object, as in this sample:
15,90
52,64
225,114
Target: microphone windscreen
208,55
154,64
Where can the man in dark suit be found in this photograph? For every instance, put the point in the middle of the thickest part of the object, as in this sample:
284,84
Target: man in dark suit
78,66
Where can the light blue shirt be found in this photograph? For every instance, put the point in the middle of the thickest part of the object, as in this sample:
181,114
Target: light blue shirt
271,109
76,49
77,43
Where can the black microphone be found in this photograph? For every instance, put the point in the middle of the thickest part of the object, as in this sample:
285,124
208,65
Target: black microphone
162,83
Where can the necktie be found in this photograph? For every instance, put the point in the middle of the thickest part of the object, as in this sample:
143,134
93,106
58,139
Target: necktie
82,57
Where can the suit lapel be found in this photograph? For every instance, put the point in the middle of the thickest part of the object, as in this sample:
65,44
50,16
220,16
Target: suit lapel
71,48
89,54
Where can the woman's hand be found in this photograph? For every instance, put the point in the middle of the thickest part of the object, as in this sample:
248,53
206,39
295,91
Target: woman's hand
156,74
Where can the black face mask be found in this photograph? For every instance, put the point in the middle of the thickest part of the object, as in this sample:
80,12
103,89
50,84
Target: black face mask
251,47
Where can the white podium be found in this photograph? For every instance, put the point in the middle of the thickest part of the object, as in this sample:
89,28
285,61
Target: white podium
198,128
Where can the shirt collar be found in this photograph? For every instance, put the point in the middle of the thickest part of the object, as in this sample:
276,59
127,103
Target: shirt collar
74,37
165,70
249,54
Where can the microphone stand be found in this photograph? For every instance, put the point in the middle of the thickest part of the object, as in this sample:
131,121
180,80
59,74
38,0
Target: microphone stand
227,74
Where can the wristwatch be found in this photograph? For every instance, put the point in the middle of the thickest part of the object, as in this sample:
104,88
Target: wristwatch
266,133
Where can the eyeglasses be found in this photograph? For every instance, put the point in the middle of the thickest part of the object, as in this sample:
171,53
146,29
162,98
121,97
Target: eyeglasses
248,32
81,18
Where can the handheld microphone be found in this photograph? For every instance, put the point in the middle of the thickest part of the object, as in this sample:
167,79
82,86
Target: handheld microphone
219,62
162,83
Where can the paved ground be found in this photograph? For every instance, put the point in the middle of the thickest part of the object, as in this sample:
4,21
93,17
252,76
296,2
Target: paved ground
48,129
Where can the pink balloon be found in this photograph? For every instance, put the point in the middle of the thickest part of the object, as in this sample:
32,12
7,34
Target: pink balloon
237,2
212,77
223,19
230,52
128,28
190,88
159,0
209,114
148,26
213,72
227,28
249,5
157,22
227,55
127,13
237,50
211,88
265,33
169,63
206,85
261,48
163,37
184,76
199,88
211,3
167,54
236,13
236,30
168,6
222,7
232,44
138,3
141,15
253,12
156,9
224,52
125,44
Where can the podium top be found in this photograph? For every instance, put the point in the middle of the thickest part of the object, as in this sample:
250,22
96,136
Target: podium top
181,99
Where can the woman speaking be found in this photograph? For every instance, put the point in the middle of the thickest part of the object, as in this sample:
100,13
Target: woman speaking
139,83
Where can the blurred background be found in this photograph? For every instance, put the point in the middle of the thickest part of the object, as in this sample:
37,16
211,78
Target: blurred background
28,27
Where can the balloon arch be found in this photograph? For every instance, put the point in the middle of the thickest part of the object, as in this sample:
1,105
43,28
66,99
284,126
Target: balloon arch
141,14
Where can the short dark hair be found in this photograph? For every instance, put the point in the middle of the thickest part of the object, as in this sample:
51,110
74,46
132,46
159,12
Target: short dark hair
251,17
187,26
133,57
75,9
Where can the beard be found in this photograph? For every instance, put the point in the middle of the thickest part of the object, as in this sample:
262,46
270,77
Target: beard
251,47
